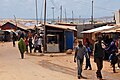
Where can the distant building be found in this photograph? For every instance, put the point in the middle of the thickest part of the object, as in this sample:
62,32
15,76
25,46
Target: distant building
8,26
83,27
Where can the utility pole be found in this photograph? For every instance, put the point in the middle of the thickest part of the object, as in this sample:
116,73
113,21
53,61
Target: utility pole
15,21
92,21
45,48
36,12
65,16
72,17
58,19
36,17
61,13
41,21
53,13
79,18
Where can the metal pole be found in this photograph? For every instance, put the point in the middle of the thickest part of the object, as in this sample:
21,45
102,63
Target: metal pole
45,48
72,17
36,13
92,15
58,19
36,17
60,13
79,18
65,16
15,21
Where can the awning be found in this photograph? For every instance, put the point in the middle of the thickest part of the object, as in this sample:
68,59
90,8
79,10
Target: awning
108,31
10,30
62,27
99,29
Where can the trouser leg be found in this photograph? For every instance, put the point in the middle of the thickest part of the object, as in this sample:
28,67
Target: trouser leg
13,43
87,64
113,65
40,49
79,64
90,64
30,48
99,63
27,48
35,49
22,54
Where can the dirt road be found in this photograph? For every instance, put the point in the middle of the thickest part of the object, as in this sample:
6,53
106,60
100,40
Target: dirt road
35,67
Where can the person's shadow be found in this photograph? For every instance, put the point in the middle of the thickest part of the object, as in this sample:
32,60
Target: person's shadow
83,77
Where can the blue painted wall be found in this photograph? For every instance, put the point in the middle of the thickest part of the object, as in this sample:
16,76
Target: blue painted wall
69,39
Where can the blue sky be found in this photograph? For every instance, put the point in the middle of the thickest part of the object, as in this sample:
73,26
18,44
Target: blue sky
26,8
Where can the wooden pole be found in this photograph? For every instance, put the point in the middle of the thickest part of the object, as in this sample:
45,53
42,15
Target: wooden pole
45,48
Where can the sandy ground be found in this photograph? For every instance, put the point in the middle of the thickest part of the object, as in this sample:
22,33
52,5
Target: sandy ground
35,67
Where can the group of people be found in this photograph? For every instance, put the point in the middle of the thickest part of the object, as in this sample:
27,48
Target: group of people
30,43
81,50
99,50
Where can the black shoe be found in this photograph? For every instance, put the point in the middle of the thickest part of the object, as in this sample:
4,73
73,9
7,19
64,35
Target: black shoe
78,77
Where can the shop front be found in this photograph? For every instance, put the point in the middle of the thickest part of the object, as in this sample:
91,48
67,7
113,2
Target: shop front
59,39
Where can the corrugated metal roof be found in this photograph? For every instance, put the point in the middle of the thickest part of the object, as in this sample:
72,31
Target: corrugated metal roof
98,29
62,27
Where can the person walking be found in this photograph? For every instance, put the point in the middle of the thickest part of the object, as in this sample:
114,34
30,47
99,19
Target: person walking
80,51
88,64
113,57
30,44
99,56
22,47
39,44
36,44
89,50
113,60
26,43
13,38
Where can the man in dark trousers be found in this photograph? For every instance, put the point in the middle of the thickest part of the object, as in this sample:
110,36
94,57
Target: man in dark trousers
80,51
14,38
98,57
30,44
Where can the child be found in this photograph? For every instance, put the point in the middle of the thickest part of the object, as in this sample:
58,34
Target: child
113,60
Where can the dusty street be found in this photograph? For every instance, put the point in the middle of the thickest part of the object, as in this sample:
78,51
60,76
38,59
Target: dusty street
36,67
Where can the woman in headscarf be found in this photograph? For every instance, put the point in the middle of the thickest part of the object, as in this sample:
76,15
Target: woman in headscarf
22,47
